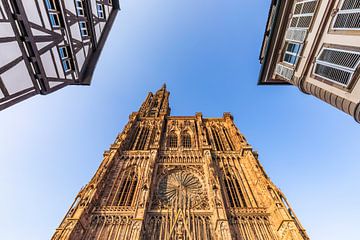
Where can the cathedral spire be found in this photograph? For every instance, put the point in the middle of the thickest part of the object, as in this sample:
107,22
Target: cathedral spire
180,177
157,104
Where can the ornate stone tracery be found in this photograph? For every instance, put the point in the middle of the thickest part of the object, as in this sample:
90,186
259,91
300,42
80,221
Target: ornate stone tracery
205,184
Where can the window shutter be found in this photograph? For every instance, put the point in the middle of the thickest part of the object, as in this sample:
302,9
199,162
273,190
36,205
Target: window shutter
337,65
348,16
295,35
303,14
284,71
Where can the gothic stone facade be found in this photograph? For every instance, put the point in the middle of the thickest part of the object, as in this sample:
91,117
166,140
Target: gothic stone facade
48,44
168,177
315,45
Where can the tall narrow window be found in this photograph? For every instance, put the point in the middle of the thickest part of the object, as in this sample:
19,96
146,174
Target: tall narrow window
65,57
348,17
100,10
134,138
54,13
127,189
226,133
291,53
234,192
173,140
217,140
143,139
83,29
186,140
79,5
337,65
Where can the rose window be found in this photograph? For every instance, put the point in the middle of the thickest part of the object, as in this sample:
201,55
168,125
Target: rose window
179,187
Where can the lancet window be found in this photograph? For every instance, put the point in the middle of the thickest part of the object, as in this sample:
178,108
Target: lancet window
139,139
143,138
217,140
173,140
186,140
233,190
228,139
127,189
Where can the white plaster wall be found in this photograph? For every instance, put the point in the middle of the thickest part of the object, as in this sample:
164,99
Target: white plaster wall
70,5
32,12
9,52
2,7
6,30
17,78
75,32
48,64
80,57
43,11
54,84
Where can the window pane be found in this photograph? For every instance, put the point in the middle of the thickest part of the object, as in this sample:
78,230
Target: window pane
290,59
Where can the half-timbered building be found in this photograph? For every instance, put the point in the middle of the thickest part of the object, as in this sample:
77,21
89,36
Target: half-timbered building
48,44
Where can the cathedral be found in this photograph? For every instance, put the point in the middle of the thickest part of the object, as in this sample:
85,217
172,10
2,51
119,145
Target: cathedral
179,178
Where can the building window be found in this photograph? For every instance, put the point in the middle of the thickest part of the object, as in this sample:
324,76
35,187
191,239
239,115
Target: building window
66,58
291,53
303,14
100,10
127,189
227,136
337,65
79,8
50,4
186,140
219,145
234,191
142,139
83,28
54,19
54,14
173,140
348,17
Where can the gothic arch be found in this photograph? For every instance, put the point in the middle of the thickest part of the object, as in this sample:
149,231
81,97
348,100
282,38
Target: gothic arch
234,189
187,141
217,139
127,190
173,140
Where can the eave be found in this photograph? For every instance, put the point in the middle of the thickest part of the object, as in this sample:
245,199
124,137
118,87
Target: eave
276,35
88,71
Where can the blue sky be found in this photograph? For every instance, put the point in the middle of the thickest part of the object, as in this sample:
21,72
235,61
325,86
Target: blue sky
207,53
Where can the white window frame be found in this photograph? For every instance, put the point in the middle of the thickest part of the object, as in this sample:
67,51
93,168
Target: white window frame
79,5
54,16
100,11
83,29
65,58
336,66
303,14
49,4
296,55
346,11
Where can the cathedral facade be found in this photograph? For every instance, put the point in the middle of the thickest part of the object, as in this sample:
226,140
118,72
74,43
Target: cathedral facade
183,178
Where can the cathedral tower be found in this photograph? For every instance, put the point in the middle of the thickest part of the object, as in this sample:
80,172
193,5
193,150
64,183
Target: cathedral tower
179,177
